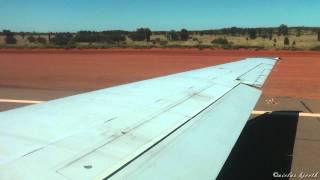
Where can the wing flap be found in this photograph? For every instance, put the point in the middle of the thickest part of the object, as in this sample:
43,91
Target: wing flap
258,74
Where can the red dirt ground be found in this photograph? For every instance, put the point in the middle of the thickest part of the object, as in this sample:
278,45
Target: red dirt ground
296,75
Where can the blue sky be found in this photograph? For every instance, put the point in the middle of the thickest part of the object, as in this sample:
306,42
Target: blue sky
75,15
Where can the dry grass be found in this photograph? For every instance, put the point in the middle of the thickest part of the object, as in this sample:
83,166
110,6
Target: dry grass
305,42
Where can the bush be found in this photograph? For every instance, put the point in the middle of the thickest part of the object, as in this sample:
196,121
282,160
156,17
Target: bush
286,41
112,36
41,40
134,36
221,41
11,40
298,32
62,39
86,36
141,34
70,44
315,48
247,47
163,43
31,39
156,41
227,46
104,36
202,46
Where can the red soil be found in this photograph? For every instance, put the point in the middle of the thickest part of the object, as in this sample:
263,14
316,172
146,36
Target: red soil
296,75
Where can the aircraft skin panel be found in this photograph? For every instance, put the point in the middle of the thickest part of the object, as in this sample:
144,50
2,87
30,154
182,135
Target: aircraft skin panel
257,75
144,136
199,149
83,136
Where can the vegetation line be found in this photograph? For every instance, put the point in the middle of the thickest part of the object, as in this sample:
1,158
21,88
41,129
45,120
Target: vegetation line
279,38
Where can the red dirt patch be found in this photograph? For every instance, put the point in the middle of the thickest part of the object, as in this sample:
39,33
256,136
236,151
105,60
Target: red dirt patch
296,75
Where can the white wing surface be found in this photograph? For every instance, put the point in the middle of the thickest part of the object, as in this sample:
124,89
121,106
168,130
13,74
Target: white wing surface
181,126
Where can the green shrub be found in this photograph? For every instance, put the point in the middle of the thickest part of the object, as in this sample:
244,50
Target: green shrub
315,48
220,41
31,39
163,43
195,39
11,40
62,39
202,46
112,36
286,41
41,40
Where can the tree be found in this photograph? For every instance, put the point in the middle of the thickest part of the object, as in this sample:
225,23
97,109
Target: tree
141,34
293,43
283,30
184,35
7,32
298,32
318,35
23,34
148,33
173,35
286,41
104,36
270,33
49,36
86,36
136,36
62,39
234,31
252,33
9,39
113,36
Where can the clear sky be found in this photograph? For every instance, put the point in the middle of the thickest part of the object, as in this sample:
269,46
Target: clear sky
74,15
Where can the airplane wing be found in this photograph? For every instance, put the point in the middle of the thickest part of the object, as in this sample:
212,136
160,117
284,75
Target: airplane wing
181,126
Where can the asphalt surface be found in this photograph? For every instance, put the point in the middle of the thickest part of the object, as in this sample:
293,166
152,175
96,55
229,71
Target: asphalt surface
287,140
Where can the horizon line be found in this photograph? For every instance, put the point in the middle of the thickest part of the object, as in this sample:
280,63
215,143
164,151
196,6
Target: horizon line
157,30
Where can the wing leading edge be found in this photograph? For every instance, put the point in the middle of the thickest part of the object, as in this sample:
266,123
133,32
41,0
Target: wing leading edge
116,131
